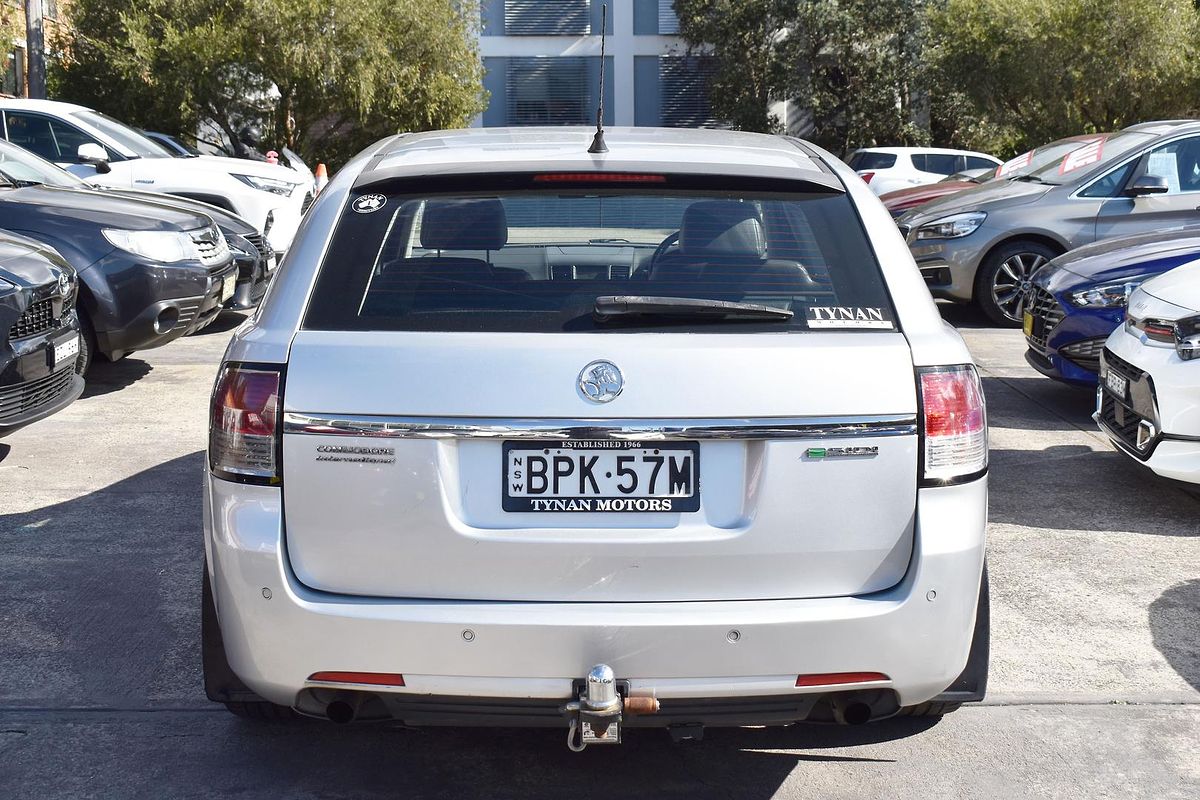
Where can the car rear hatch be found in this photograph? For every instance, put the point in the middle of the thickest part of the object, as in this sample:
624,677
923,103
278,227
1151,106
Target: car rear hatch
460,425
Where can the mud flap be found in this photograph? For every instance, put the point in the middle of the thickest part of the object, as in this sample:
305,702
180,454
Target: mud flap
971,685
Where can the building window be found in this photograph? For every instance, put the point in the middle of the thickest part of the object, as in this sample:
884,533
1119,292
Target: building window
668,23
549,91
683,87
50,9
14,73
546,17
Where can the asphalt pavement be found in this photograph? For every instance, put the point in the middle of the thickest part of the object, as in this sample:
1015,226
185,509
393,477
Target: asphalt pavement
1095,679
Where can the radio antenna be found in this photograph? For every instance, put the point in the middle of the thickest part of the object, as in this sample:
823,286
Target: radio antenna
598,145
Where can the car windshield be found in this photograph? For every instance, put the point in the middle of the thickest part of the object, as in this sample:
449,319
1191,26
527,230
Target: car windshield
529,260
18,165
127,138
1072,159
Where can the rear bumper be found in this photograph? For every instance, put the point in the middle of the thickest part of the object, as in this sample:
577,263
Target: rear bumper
276,632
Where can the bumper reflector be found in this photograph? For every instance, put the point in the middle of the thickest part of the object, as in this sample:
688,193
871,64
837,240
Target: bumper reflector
839,678
371,678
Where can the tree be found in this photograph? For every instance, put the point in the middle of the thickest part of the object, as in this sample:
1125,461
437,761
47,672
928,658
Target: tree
852,66
326,77
1036,71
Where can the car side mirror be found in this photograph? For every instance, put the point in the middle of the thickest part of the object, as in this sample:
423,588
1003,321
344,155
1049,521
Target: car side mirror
1148,184
94,154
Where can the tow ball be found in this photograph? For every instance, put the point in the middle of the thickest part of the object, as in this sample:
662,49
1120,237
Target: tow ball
596,717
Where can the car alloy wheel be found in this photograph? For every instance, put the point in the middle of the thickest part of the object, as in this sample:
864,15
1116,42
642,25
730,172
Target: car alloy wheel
1011,283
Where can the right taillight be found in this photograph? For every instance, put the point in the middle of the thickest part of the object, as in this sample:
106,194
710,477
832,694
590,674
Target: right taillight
244,424
953,424
866,176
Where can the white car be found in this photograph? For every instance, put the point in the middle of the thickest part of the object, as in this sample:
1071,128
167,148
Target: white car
107,152
887,169
524,434
1148,400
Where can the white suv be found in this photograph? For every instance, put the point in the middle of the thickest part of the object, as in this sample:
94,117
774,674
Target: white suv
671,435
886,169
107,152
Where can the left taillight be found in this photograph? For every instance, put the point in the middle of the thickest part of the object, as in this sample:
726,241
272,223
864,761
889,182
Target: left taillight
866,176
953,424
245,424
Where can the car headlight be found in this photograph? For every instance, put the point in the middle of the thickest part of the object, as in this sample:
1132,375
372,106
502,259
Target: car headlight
272,185
165,246
1187,338
954,227
1108,295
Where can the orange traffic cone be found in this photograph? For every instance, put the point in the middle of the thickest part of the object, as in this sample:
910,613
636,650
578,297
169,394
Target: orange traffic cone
322,177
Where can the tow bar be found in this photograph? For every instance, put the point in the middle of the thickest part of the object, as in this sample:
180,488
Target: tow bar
597,715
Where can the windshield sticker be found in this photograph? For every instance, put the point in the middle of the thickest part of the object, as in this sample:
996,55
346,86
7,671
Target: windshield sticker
1082,157
848,317
1014,164
369,203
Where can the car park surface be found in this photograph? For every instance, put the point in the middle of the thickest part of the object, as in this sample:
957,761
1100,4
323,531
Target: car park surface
1094,691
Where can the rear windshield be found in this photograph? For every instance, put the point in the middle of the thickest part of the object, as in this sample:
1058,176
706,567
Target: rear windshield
537,260
867,160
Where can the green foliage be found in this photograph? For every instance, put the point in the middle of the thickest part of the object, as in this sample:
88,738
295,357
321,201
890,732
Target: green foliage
326,77
995,75
1033,71
851,66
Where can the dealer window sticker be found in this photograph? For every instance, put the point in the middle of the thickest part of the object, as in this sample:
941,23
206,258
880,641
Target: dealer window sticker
849,317
1014,163
1082,157
1166,166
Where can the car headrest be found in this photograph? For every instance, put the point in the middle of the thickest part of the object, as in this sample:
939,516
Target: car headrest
722,228
478,224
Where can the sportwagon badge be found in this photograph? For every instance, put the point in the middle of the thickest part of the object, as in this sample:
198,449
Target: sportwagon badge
601,381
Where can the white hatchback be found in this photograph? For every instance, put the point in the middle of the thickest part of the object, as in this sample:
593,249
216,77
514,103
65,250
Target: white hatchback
1148,400
888,169
671,435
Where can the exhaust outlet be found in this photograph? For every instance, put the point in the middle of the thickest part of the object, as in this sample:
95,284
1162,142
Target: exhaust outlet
343,709
851,712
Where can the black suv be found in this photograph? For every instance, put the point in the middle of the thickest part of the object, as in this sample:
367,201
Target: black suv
149,272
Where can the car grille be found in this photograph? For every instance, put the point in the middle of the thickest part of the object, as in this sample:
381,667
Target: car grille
211,245
24,397
1085,353
308,201
38,318
261,245
1046,313
1123,422
1123,366
188,310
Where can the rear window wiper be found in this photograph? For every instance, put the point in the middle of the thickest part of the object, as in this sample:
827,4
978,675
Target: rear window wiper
613,306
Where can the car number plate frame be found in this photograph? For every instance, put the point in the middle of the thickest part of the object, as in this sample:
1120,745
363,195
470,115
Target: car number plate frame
586,476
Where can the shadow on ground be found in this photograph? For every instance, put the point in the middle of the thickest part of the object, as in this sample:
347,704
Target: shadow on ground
104,377
1175,626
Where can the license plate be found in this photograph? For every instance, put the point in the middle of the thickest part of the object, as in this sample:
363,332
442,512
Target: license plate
1027,324
227,287
578,475
66,350
1116,383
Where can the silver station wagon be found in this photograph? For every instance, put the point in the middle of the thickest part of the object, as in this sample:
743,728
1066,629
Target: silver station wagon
669,435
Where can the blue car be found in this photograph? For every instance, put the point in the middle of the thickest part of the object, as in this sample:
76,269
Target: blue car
1078,299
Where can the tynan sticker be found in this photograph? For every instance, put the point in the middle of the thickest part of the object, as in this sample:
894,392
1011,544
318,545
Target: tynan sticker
1082,157
848,317
369,203
1015,163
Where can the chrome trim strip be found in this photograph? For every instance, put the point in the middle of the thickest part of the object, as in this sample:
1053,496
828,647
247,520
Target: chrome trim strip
630,429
